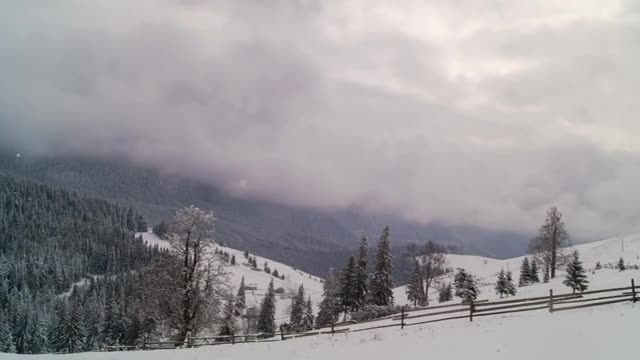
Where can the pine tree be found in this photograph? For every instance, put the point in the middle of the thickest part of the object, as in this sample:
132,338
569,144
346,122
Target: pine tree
511,287
228,327
275,273
246,254
445,293
621,265
381,284
466,287
267,317
307,318
361,289
297,311
347,286
233,260
533,275
598,266
241,300
576,277
415,289
69,333
329,306
501,283
525,273
7,344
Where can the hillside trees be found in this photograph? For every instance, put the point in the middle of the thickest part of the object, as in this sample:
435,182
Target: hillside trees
548,245
50,239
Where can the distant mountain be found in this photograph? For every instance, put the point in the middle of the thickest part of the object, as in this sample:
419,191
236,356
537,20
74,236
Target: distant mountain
309,239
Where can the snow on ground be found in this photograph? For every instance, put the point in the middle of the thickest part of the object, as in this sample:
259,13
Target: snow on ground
293,278
605,332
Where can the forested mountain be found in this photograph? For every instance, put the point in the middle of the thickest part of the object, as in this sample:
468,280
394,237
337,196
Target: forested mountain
309,239
50,239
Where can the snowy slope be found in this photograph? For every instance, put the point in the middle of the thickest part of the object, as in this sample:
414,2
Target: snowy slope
606,251
293,279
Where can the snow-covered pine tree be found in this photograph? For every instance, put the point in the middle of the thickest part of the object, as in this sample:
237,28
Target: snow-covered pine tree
576,277
501,283
114,327
7,344
621,265
241,300
246,254
511,287
381,286
297,311
329,306
525,273
307,317
466,287
69,332
347,286
533,274
233,260
415,289
361,281
267,317
275,273
598,266
228,324
445,293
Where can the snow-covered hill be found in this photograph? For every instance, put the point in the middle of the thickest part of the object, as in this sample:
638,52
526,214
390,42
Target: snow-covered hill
606,251
258,279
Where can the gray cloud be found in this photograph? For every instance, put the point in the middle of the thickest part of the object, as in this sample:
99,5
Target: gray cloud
472,112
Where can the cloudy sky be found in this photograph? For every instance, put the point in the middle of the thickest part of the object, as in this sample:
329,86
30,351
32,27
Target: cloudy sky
465,111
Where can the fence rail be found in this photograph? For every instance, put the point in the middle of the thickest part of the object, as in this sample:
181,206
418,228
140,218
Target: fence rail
552,302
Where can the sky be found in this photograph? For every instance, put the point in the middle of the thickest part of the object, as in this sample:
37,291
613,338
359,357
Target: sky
463,112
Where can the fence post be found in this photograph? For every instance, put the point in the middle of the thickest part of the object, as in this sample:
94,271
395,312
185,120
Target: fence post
281,333
233,338
188,339
333,329
633,291
550,300
402,317
144,343
471,308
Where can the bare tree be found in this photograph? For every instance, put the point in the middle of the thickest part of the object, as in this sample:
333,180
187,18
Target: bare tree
187,285
548,246
432,262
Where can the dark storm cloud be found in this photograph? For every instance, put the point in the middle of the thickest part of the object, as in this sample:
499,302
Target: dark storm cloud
464,112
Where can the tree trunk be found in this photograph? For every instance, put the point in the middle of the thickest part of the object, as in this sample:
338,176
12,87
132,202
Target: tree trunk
554,251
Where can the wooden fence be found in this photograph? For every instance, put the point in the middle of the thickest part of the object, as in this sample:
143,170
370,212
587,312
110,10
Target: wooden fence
429,314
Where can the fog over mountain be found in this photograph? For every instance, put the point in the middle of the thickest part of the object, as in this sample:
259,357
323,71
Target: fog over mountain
455,113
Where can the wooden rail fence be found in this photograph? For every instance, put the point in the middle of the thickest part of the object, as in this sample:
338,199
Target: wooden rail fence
552,302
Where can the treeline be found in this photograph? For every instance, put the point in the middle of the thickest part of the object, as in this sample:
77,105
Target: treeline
49,240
